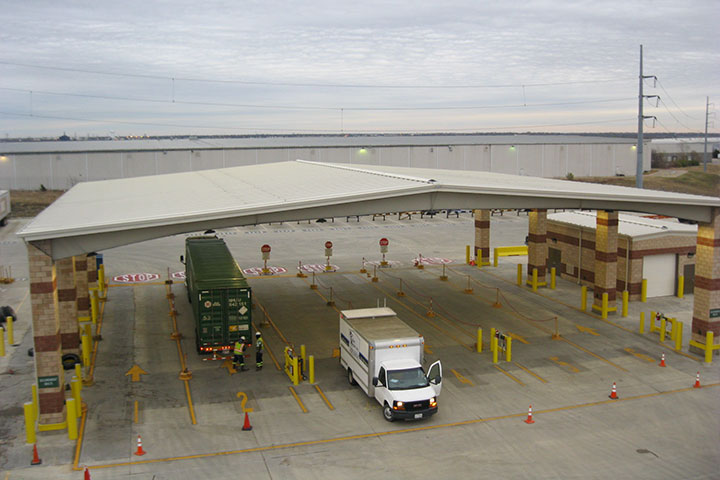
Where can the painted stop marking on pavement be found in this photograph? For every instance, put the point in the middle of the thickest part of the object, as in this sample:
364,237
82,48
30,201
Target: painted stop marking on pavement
317,268
253,271
432,260
136,277
178,275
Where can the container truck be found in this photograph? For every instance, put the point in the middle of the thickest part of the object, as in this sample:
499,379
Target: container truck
4,207
219,294
382,354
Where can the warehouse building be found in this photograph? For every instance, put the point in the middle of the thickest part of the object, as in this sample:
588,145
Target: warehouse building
658,250
60,165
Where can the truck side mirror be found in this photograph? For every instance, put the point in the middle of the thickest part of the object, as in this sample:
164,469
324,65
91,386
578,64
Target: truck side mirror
375,381
436,380
182,259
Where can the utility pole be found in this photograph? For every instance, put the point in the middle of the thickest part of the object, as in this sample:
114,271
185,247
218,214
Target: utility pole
707,114
641,118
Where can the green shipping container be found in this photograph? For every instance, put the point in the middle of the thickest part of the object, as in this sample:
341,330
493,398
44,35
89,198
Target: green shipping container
219,294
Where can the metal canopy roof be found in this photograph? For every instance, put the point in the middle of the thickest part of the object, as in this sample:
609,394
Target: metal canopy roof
633,226
94,216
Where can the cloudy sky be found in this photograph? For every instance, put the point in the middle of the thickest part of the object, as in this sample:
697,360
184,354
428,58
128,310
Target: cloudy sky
316,66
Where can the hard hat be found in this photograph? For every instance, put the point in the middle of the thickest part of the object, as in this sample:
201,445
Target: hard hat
257,334
242,338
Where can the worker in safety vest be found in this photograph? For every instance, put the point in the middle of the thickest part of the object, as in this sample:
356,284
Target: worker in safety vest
239,354
259,347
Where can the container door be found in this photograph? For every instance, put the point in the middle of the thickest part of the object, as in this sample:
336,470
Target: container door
210,314
434,376
238,307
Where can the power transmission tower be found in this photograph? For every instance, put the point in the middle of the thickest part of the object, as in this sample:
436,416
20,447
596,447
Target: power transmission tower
707,120
641,118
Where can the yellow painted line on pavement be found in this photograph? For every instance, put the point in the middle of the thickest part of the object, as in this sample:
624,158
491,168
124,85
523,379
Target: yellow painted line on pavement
593,354
557,360
347,438
509,375
517,337
530,372
639,355
327,402
462,378
589,330
427,349
297,399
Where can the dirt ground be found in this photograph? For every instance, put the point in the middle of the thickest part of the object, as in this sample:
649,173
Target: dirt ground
28,203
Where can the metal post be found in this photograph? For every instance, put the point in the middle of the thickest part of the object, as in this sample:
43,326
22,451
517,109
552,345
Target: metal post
30,436
662,329
479,344
10,330
311,368
2,342
625,300
552,278
681,287
519,274
583,298
494,346
604,310
497,303
71,419
331,302
705,153
374,277
94,310
443,277
708,347
467,254
556,335
534,279
508,349
642,322
643,291
678,336
400,293
469,288
639,165
313,286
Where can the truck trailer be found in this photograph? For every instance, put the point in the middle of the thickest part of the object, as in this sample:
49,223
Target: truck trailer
4,207
219,294
382,354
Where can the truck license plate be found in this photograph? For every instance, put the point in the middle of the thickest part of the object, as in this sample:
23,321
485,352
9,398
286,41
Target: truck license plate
418,415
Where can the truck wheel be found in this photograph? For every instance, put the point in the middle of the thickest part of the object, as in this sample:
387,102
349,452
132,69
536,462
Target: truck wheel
351,379
388,413
69,360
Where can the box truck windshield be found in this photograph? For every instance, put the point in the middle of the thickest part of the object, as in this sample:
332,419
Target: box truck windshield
407,379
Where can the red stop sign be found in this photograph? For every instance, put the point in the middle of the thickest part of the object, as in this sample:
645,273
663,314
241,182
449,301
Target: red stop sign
265,248
384,242
328,244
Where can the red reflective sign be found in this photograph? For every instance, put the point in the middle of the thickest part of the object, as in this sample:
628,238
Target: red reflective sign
328,244
265,248
384,242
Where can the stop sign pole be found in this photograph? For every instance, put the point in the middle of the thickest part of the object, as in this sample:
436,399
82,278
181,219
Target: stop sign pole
328,254
384,242
265,249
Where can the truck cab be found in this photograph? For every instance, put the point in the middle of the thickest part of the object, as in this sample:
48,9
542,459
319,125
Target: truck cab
405,391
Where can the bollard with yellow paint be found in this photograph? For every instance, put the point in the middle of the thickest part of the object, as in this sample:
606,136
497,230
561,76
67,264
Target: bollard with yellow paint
552,278
508,348
673,328
2,342
519,274
681,287
534,279
311,368
303,356
583,298
85,350
709,347
78,373
494,348
30,436
71,419
643,291
101,282
625,301
94,304
652,321
678,336
642,322
35,404
87,329
604,311
467,254
10,330
76,388
663,321
479,344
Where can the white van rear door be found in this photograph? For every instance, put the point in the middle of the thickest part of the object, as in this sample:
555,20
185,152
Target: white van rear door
434,376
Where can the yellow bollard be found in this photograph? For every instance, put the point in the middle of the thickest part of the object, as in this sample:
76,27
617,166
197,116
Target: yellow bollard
652,322
311,368
2,342
662,329
534,280
708,347
494,347
296,373
673,328
10,330
35,404
76,388
467,254
87,329
495,257
492,335
681,287
643,291
302,354
552,278
101,281
94,304
625,301
479,340
604,310
508,348
583,298
678,336
71,419
86,350
519,274
78,373
30,436
642,322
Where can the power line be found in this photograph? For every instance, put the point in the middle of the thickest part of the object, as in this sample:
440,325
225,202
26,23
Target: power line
674,103
312,85
299,107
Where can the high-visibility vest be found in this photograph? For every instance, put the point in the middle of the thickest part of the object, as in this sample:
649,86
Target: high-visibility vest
238,348
259,344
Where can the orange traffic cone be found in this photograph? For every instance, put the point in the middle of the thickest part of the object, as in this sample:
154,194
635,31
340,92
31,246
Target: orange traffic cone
697,381
613,394
140,450
529,418
87,474
662,361
36,459
246,425
472,263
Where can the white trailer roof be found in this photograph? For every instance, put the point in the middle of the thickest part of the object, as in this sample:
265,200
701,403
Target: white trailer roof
632,226
94,216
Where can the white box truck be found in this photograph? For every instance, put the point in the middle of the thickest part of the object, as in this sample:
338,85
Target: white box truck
383,355
4,206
